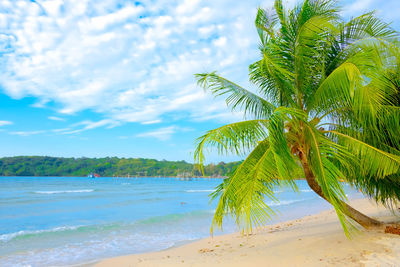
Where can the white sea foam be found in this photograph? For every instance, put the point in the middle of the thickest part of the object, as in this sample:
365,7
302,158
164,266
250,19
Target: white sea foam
64,191
284,202
89,251
199,190
10,236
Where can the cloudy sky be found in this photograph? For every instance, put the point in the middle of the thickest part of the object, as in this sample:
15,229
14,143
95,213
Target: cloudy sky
115,78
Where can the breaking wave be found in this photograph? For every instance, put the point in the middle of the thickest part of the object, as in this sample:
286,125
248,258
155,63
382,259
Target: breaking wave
64,191
199,190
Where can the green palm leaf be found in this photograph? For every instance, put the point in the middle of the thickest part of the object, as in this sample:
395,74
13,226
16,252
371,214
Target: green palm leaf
238,97
236,138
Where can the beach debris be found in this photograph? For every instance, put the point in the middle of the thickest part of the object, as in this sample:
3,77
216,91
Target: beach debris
205,250
392,229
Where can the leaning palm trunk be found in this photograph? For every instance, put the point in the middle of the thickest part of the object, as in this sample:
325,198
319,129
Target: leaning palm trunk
324,110
354,214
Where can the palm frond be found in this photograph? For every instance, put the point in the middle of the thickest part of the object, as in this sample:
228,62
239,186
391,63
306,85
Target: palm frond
366,25
374,162
238,97
284,159
273,76
337,90
313,36
243,195
236,138
265,24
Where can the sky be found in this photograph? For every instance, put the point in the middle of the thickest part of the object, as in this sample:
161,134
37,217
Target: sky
85,78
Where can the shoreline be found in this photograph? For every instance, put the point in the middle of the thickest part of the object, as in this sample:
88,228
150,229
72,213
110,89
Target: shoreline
313,240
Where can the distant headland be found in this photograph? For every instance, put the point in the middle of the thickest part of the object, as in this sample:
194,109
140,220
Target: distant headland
109,167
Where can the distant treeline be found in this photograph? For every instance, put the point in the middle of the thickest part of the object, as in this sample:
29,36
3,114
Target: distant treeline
54,166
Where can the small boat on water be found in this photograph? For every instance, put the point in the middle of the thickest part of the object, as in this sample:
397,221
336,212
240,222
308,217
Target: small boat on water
93,175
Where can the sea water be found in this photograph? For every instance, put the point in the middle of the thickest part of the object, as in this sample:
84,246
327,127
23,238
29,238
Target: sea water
58,221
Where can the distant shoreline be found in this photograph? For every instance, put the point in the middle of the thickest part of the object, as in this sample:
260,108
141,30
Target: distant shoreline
130,177
40,166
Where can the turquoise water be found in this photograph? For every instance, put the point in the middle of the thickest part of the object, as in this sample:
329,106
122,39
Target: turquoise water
58,221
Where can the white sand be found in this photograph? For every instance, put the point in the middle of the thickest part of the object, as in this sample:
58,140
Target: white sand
316,240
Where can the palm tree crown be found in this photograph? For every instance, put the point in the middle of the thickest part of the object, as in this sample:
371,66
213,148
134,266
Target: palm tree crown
325,107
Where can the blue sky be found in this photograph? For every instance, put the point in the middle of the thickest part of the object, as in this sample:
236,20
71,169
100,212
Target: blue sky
115,78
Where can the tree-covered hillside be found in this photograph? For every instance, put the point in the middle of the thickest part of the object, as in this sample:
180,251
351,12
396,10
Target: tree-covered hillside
54,166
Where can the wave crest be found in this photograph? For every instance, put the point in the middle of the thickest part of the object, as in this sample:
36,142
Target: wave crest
64,191
199,190
10,236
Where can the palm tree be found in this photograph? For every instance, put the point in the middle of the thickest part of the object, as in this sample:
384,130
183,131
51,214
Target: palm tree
325,92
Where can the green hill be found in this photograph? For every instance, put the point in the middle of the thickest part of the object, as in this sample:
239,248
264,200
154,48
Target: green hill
55,166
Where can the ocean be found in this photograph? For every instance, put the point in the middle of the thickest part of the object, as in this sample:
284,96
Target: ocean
61,221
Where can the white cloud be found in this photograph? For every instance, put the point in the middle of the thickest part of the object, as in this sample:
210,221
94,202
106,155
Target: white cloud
161,133
119,16
128,62
61,130
54,118
3,123
220,42
188,6
358,7
388,10
151,122
207,30
27,133
164,133
88,125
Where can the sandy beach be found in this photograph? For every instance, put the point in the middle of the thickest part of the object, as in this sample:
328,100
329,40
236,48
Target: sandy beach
315,240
